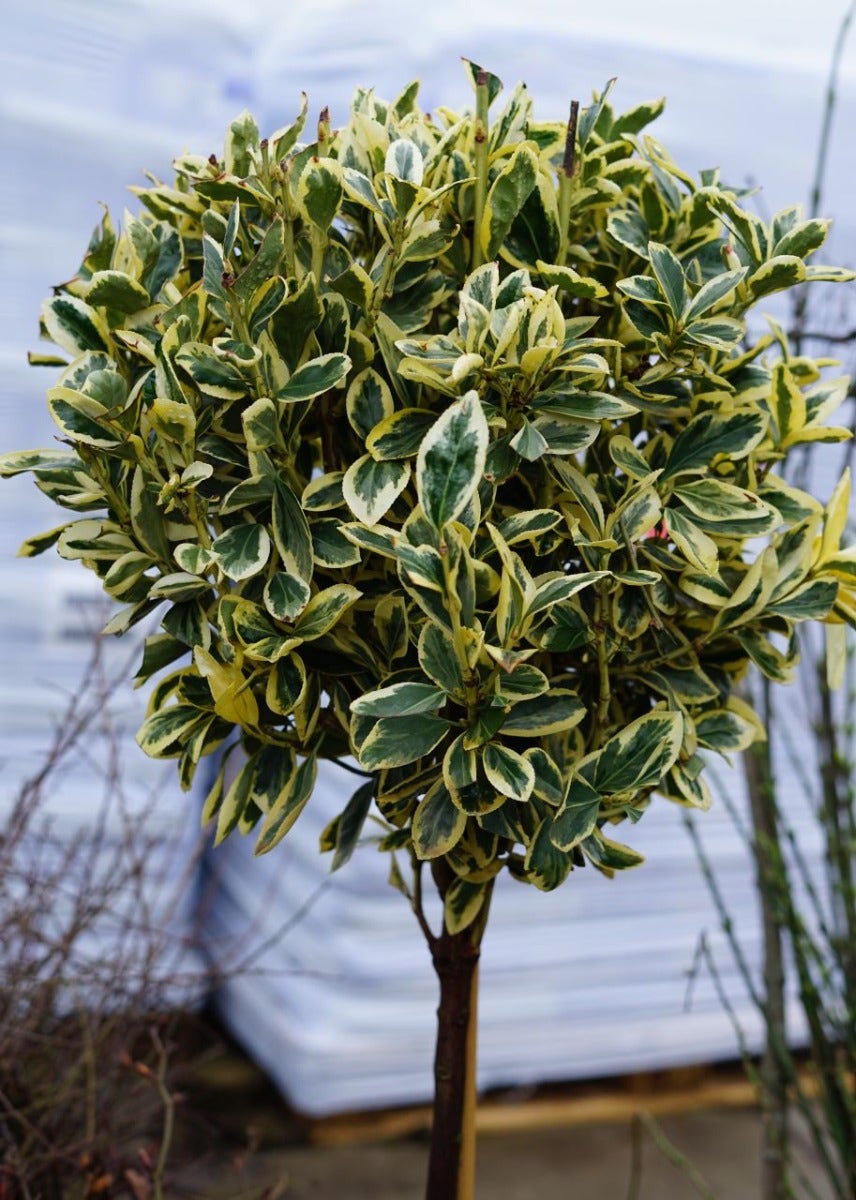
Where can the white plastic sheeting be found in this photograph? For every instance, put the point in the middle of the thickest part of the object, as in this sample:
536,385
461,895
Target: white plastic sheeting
73,135
106,865
586,981
597,978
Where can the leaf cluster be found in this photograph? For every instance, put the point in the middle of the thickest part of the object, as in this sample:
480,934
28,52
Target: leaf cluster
439,442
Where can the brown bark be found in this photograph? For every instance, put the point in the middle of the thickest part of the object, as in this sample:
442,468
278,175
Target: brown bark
451,1166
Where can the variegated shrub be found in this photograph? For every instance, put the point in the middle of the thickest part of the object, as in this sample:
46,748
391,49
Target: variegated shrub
439,443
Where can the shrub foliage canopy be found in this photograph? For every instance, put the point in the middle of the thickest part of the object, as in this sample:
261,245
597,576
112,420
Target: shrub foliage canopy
440,443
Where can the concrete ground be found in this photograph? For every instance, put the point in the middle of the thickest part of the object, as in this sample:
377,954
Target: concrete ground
600,1162
237,1140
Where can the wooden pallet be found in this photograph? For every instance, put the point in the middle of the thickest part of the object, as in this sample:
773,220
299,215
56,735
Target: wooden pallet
233,1082
660,1093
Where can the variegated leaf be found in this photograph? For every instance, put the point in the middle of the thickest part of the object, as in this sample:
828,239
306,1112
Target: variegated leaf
116,290
507,195
439,659
288,806
438,823
710,434
560,710
291,532
400,700
751,596
320,191
286,685
610,856
350,824
315,377
451,460
371,488
242,551
74,325
509,772
163,731
546,865
462,904
398,741
286,595
577,817
638,756
368,402
324,610
670,276
400,434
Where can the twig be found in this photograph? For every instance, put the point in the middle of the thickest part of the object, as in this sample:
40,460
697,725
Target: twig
778,1046
168,1101
674,1155
758,769
418,909
725,918
829,110
566,176
835,339
634,1182
820,166
278,934
481,134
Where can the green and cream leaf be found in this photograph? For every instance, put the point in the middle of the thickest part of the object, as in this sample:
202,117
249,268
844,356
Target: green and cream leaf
451,460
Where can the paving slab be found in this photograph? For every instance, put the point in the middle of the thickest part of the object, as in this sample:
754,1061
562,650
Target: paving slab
601,1162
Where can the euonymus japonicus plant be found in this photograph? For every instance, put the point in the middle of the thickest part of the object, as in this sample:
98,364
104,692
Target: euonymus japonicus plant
438,444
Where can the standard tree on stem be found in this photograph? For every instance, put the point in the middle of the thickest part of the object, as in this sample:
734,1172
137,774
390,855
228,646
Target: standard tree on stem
438,445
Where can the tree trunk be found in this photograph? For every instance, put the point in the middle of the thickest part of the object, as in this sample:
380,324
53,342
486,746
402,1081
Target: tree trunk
452,1161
